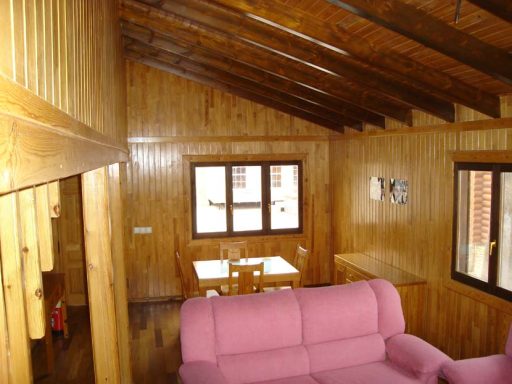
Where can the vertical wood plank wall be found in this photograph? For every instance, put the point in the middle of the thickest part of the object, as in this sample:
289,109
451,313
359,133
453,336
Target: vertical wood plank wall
417,237
70,54
185,118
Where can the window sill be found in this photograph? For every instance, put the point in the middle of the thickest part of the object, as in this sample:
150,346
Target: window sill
249,239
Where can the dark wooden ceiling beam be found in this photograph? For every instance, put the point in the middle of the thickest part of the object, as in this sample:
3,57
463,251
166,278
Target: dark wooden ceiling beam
240,83
178,28
417,74
241,26
205,80
418,25
240,69
500,8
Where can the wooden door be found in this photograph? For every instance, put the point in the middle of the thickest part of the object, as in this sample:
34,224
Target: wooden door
71,241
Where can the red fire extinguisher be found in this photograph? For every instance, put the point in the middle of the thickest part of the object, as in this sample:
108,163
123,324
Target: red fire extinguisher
57,321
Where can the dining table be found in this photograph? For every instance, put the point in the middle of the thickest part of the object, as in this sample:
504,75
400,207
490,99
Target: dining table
214,273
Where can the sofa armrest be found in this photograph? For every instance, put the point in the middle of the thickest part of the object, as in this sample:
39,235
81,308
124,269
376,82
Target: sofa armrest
201,372
415,355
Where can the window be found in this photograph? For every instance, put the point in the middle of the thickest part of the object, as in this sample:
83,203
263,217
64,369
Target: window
238,177
275,176
482,242
246,198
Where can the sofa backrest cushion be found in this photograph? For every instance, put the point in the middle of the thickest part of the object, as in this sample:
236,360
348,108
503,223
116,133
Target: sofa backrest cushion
264,366
258,322
391,317
197,331
337,312
346,353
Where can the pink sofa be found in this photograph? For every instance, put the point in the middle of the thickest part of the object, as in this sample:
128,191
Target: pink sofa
339,334
495,369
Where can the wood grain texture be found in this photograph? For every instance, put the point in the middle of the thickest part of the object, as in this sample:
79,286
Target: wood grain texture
31,264
31,155
4,340
417,237
115,173
69,54
100,276
19,367
44,227
158,184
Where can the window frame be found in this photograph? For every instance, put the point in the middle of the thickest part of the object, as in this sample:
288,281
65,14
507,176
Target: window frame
266,166
491,287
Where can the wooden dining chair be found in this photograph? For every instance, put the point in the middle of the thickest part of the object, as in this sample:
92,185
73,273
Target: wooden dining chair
244,283
184,287
233,250
299,262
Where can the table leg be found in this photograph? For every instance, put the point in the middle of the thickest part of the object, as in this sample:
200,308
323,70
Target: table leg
64,307
295,284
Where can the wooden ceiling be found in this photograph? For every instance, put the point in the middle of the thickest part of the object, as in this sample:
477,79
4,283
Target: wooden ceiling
336,63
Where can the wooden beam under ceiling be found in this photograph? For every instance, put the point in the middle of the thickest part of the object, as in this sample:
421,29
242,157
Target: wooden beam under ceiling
178,71
175,27
418,25
238,82
240,26
417,74
500,8
245,71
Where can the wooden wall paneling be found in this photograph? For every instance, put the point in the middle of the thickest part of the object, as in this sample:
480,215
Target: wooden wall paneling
6,59
32,276
158,177
39,30
417,237
47,27
19,39
19,365
44,227
62,53
100,276
59,50
30,45
120,292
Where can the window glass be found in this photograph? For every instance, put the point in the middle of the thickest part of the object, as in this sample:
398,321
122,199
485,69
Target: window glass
239,177
247,200
210,199
284,198
474,223
505,243
250,197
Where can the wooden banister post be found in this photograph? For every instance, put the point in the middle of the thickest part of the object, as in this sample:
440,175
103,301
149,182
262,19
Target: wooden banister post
102,249
18,358
120,288
4,346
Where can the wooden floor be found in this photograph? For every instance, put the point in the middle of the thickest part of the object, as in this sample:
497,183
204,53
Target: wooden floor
155,349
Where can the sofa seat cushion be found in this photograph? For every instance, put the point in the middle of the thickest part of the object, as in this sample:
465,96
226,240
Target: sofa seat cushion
346,353
379,372
496,369
263,366
306,379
